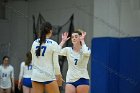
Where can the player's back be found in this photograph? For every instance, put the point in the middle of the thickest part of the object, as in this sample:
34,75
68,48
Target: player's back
44,62
26,70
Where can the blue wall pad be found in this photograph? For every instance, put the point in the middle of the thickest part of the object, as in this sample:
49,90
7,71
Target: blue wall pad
115,65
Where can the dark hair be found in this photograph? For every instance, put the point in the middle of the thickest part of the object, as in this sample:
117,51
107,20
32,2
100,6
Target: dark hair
4,58
45,29
28,58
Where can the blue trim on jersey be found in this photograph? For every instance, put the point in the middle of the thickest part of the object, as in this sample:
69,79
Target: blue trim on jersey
27,82
48,41
81,81
30,67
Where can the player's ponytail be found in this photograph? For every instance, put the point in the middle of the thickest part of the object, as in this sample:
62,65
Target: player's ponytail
28,58
45,29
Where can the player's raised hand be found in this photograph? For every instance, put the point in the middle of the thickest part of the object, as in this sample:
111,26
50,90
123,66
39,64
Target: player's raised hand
65,36
82,37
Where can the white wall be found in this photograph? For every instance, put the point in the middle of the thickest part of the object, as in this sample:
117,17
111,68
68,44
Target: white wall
106,15
4,31
18,32
4,38
116,18
130,18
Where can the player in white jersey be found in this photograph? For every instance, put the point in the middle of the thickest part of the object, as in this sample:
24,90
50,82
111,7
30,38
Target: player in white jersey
25,74
45,62
77,79
6,76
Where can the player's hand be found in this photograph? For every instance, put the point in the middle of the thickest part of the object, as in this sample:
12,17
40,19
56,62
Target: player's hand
82,37
59,80
65,37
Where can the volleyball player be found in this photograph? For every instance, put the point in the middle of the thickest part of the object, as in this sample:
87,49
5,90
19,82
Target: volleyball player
6,76
25,74
77,79
46,68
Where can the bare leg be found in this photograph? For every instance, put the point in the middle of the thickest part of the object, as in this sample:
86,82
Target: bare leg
5,90
1,90
70,88
82,89
52,87
26,89
31,90
8,90
37,87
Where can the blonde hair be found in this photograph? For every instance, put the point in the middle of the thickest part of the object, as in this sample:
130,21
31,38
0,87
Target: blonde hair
79,31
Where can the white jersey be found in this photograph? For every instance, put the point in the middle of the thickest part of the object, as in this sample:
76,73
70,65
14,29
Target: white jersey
5,76
77,63
45,66
25,71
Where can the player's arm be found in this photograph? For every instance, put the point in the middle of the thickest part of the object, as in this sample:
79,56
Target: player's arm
63,51
13,80
86,51
32,48
20,75
57,69
55,59
57,66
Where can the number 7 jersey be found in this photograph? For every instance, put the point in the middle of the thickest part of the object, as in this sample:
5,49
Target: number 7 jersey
77,63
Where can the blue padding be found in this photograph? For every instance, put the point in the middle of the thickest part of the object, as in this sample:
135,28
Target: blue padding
115,65
99,58
130,65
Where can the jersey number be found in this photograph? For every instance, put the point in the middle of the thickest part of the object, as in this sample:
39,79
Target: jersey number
75,60
43,48
30,67
4,75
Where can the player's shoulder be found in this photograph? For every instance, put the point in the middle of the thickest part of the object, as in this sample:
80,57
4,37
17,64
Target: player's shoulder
36,41
50,41
68,49
23,63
